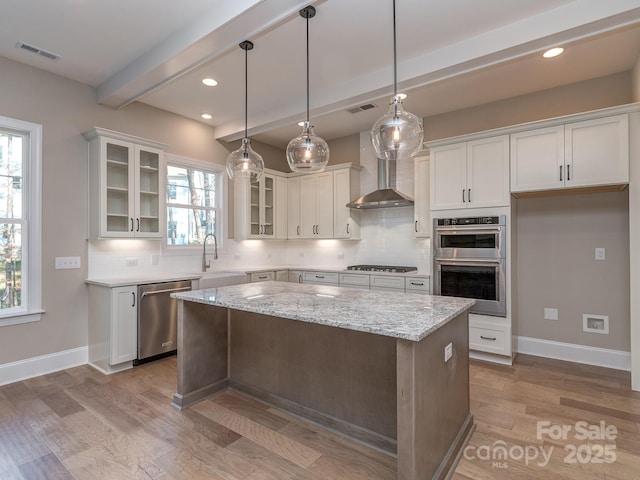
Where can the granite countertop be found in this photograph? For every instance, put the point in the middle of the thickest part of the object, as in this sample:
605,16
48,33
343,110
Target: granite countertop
402,315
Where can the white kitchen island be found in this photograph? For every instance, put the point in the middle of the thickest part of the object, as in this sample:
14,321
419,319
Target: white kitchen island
368,364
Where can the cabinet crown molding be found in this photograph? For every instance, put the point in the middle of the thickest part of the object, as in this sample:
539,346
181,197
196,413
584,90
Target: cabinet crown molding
103,132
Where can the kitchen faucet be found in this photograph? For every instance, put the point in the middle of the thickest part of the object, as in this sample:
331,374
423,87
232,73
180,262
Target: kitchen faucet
206,264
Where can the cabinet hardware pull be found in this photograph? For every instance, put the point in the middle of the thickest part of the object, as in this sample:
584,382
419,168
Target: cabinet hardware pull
469,195
131,224
347,229
262,277
319,276
298,230
417,284
560,172
416,226
134,299
568,173
463,195
137,224
488,338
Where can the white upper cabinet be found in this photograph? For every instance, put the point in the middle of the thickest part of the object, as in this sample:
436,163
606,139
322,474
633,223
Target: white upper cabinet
259,208
421,224
346,188
537,156
127,185
589,153
293,208
470,174
316,205
597,151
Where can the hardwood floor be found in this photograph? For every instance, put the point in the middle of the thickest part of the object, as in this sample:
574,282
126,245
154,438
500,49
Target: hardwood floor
81,424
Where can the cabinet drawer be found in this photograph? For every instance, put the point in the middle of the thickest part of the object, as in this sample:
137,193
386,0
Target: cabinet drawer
320,277
386,282
416,285
489,340
262,276
354,280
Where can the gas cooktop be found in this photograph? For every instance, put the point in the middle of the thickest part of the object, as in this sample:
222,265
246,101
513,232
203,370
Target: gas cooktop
382,268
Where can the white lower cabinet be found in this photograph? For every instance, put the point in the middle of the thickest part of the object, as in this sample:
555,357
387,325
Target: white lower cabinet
417,285
490,334
320,278
113,324
386,282
295,276
355,280
262,276
282,275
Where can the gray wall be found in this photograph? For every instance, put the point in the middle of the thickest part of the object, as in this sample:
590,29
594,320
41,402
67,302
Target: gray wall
556,267
66,109
578,97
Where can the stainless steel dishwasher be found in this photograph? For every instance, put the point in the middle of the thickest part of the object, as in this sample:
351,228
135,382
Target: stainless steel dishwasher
158,319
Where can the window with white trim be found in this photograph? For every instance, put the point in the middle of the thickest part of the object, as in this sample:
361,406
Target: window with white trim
20,226
194,202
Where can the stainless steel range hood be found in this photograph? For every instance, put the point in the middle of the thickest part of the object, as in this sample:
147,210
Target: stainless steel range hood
386,196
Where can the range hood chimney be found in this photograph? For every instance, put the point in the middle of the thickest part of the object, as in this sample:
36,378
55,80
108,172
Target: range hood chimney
386,196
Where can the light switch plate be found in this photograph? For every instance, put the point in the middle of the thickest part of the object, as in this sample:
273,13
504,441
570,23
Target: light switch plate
64,263
600,253
551,314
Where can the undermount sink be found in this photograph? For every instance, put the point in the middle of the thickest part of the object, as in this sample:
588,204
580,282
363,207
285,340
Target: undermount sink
221,279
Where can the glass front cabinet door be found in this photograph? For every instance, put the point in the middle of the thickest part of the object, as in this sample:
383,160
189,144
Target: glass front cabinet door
126,186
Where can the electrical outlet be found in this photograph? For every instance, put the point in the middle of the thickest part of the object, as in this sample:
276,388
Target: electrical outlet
448,352
600,253
341,256
63,263
132,262
551,314
155,259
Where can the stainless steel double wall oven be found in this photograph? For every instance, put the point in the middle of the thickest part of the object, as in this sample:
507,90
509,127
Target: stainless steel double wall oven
469,257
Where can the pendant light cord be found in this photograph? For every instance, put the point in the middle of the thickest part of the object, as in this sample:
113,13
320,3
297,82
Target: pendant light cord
308,68
246,91
395,54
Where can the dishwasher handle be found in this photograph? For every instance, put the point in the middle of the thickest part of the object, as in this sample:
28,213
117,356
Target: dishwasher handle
168,290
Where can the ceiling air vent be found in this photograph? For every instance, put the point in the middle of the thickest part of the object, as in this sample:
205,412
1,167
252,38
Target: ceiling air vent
38,51
361,108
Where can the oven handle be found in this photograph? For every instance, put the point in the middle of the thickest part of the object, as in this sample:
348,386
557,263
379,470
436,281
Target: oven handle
468,230
475,261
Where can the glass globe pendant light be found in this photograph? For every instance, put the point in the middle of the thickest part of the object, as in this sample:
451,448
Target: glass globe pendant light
245,162
397,134
307,152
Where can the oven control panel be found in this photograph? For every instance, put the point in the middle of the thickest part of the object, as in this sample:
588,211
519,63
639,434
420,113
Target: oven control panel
469,221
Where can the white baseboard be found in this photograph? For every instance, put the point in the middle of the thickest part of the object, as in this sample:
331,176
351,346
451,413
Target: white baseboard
33,367
570,352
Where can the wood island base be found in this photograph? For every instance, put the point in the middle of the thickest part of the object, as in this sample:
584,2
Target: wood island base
393,394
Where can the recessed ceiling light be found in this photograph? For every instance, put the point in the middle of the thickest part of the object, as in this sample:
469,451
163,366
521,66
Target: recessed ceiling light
402,96
209,82
206,116
301,124
553,52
